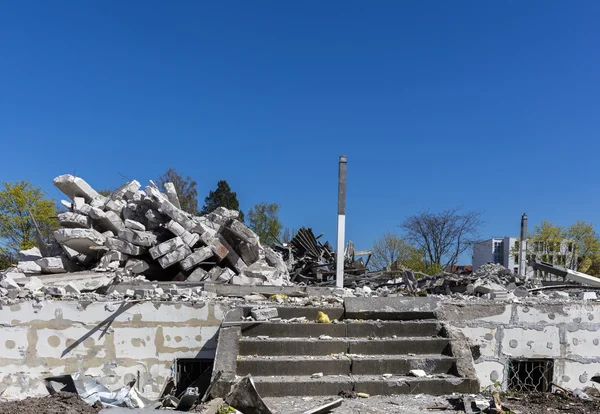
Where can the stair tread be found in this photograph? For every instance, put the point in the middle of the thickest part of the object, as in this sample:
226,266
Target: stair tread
342,339
354,356
354,378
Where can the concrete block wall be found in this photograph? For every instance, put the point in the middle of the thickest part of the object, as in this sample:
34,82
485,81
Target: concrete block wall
114,342
568,333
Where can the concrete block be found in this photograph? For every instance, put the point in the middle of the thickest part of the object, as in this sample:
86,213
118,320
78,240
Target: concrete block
33,284
243,232
74,220
232,257
166,247
29,267
225,276
52,265
180,216
115,206
264,314
8,283
97,202
136,266
227,213
30,255
175,228
134,225
139,238
125,247
80,240
174,256
172,194
218,249
78,204
70,288
588,296
107,220
128,188
243,280
197,257
73,187
198,275
190,239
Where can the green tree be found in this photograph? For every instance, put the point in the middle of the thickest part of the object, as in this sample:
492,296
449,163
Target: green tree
5,261
391,252
185,187
106,192
586,245
221,197
17,230
263,219
288,235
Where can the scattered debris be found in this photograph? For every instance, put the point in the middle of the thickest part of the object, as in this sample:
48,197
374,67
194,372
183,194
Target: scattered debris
322,317
244,397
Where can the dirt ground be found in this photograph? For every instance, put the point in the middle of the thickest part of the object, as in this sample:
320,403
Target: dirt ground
61,403
65,403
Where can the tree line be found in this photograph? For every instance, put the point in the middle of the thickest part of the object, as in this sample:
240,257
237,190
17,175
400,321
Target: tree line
21,203
430,242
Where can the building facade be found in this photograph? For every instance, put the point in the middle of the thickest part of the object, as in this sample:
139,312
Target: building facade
505,251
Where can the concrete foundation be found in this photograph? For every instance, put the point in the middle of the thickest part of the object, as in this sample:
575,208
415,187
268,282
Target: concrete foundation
114,342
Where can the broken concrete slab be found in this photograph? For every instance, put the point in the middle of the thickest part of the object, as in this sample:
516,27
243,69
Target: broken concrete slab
166,247
264,314
175,228
172,194
52,265
198,275
33,284
134,225
125,247
176,214
136,266
80,240
73,187
74,220
29,267
128,188
154,216
8,283
232,257
174,256
139,238
30,255
197,257
245,398
191,239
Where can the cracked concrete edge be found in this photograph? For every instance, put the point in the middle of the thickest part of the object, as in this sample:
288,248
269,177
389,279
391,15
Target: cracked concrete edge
226,355
460,348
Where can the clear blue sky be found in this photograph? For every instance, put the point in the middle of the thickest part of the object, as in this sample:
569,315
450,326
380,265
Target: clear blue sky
491,105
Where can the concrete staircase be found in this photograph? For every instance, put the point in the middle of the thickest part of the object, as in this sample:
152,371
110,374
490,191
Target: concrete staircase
282,357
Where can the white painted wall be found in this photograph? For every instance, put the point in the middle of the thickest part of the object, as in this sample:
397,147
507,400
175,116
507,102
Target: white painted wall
569,333
55,337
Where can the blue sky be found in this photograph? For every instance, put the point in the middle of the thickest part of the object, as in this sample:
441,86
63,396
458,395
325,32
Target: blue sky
494,106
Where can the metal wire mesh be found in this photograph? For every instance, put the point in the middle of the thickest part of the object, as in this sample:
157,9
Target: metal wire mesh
530,375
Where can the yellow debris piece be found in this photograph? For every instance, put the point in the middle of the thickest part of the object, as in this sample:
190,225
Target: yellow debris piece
278,297
322,317
362,395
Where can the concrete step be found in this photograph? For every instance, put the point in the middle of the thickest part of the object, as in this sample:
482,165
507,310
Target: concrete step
360,329
282,386
316,347
344,365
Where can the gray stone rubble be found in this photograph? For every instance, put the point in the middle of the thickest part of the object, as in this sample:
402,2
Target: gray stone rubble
143,231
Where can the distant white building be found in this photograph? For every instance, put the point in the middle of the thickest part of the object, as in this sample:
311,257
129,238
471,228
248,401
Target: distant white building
496,250
505,251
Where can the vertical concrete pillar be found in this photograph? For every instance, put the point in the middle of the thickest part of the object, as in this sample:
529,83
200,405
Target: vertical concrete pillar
341,229
523,247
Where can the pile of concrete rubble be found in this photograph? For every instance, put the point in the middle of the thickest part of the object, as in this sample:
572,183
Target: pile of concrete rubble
139,231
